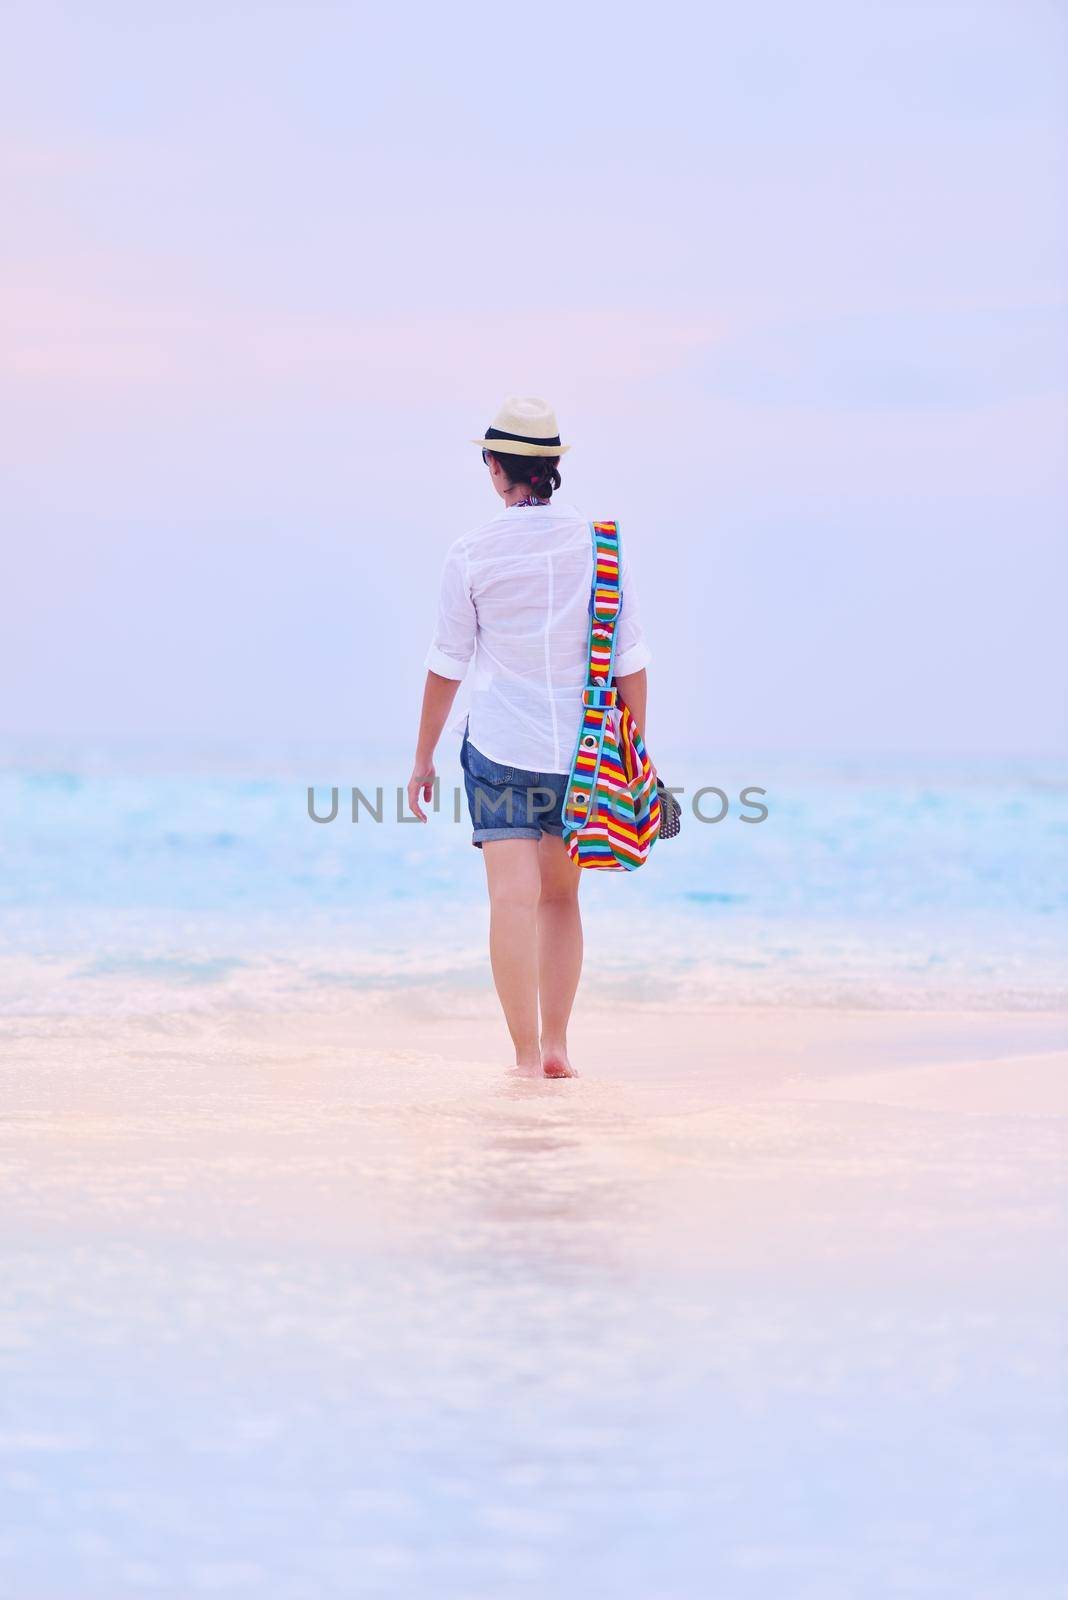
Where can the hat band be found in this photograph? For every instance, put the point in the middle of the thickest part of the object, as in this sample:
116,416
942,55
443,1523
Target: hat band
492,434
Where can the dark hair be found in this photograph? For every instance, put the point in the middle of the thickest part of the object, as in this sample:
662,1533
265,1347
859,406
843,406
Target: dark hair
539,471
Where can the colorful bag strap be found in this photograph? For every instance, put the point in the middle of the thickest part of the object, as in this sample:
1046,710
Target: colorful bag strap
598,697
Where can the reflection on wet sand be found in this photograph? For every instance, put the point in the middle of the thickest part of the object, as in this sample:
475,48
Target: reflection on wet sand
292,1311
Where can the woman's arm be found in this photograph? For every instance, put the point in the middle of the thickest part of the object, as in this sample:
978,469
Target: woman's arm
438,696
633,689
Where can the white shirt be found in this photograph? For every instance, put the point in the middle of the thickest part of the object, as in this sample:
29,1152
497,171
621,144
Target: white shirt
515,598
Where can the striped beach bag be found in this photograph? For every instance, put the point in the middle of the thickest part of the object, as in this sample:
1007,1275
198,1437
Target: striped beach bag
611,810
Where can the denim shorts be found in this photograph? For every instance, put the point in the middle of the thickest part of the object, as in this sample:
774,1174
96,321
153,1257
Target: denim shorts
511,802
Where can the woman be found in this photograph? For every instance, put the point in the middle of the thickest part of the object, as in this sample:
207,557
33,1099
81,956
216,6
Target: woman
515,600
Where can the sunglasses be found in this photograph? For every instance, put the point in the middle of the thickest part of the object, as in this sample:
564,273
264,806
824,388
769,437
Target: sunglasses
485,457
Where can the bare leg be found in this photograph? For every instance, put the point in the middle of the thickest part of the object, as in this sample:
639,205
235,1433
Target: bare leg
559,952
514,881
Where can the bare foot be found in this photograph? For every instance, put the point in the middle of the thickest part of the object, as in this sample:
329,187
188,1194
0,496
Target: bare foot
555,1063
527,1066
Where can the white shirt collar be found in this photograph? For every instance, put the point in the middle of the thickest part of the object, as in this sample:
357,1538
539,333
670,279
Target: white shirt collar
560,508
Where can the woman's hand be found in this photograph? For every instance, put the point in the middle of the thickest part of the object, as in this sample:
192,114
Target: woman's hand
423,778
438,696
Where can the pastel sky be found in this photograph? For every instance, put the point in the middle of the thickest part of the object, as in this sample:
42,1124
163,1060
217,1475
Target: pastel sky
793,275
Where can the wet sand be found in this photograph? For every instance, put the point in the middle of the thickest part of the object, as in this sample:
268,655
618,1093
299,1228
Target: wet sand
766,1303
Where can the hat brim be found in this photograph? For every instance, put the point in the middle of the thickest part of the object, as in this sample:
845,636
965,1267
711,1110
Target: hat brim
516,447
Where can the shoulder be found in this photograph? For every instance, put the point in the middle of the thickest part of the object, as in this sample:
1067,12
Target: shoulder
466,544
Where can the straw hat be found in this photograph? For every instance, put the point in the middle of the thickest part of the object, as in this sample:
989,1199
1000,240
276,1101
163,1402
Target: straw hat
524,427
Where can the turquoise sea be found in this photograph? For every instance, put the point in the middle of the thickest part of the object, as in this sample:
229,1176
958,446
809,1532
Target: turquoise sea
869,884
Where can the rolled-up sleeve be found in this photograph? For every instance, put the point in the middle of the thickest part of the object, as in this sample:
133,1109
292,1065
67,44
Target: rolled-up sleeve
453,644
632,652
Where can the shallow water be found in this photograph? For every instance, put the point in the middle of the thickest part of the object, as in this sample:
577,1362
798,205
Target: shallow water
290,1317
304,1296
